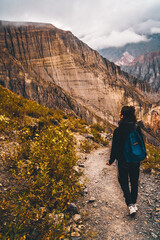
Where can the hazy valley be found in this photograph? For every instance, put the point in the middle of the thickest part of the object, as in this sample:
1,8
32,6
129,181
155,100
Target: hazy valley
138,59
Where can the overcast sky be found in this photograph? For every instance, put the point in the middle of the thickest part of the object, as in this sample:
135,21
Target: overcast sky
99,23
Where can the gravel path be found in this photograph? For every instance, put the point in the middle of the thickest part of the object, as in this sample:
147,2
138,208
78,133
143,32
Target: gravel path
103,208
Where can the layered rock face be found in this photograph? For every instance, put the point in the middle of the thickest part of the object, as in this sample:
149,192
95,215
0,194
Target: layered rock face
55,68
147,68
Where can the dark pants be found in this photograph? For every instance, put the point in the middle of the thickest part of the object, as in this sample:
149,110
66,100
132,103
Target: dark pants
128,172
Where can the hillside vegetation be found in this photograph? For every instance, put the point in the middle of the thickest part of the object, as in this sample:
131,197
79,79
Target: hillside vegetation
39,160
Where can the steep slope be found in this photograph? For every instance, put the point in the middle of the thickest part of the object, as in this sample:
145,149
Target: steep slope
40,90
51,66
37,144
146,67
31,195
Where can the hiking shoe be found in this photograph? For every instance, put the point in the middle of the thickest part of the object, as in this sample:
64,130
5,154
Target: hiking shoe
132,210
136,207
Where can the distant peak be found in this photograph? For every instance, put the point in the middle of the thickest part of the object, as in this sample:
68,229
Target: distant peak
126,54
125,60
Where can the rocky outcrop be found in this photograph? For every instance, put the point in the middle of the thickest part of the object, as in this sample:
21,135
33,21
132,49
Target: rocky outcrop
152,120
55,68
147,68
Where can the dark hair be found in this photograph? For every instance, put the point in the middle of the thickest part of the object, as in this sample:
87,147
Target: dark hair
128,114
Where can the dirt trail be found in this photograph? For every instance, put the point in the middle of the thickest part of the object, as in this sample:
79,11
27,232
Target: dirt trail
107,217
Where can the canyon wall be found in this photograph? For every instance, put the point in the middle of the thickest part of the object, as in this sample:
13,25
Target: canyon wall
55,68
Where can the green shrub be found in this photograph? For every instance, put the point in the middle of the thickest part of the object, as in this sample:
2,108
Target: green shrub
98,138
4,122
104,142
96,135
98,127
87,146
77,125
10,105
43,179
152,161
42,169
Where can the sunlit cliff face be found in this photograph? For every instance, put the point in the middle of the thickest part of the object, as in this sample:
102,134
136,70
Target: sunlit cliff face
55,68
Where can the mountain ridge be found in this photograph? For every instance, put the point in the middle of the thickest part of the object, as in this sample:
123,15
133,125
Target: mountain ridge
135,49
146,67
35,58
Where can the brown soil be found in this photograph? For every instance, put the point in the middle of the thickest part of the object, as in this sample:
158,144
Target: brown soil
107,217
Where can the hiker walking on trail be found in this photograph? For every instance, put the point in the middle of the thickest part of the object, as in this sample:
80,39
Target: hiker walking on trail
129,149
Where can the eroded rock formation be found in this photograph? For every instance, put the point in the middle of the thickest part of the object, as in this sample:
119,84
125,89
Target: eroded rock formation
55,68
146,67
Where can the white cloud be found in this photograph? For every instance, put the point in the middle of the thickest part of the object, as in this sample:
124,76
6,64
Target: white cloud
97,22
155,30
116,39
146,26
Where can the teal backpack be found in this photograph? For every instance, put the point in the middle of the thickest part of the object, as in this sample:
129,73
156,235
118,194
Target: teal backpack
134,148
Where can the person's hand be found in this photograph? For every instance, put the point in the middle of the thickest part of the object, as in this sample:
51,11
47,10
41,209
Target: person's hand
107,163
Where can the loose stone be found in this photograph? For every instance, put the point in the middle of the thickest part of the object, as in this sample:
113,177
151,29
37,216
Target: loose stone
76,218
81,165
92,199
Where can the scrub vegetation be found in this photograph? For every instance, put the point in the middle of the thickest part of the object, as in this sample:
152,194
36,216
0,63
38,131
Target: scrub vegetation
40,167
152,161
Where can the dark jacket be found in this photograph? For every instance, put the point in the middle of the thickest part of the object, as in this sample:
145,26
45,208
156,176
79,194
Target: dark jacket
119,137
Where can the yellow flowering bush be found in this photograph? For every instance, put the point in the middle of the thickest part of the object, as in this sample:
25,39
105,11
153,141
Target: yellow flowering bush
152,161
42,168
